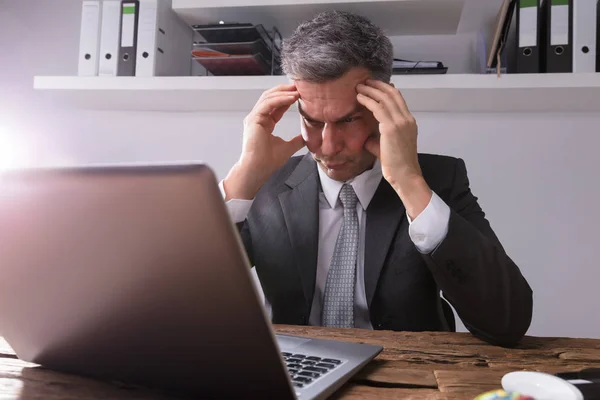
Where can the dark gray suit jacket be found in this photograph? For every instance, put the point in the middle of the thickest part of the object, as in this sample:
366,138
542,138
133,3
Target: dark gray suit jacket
402,285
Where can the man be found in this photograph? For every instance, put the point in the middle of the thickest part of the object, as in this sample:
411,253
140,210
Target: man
363,231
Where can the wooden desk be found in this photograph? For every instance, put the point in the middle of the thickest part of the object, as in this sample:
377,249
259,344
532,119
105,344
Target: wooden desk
413,366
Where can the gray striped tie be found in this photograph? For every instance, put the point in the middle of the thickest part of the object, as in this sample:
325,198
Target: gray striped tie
338,303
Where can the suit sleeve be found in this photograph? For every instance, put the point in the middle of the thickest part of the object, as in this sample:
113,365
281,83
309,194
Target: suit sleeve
246,239
475,274
238,212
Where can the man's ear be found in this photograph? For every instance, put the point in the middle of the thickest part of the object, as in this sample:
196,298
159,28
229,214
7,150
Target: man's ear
392,85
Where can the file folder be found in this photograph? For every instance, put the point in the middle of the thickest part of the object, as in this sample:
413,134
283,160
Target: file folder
109,39
598,36
89,38
585,25
129,30
528,36
558,36
164,41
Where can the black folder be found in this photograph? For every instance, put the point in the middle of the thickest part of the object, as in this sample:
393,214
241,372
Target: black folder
528,36
557,39
130,13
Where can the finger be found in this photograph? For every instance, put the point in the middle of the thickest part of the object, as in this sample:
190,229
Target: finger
380,112
381,96
392,91
278,113
274,95
279,89
285,88
373,145
266,107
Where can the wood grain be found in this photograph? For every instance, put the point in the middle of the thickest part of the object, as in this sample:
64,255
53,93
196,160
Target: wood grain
413,366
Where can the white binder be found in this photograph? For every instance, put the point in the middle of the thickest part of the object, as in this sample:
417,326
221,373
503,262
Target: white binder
89,38
109,38
585,24
164,41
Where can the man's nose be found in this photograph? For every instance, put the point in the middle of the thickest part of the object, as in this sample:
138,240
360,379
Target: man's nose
331,143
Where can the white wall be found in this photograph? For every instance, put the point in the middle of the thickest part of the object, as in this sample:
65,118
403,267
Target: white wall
535,175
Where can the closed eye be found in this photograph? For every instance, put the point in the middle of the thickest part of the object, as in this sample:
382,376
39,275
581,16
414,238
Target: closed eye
312,123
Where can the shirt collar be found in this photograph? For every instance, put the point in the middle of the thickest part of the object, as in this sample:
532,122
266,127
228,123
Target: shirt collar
364,185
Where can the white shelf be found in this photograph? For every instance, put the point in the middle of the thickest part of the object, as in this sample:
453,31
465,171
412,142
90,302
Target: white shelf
395,17
424,93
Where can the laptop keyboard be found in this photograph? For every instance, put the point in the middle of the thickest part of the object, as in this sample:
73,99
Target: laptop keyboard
304,369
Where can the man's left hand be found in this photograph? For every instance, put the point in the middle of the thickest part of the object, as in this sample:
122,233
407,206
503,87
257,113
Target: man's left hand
396,146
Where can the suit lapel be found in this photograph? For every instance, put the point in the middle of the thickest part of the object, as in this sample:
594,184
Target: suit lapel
300,207
384,213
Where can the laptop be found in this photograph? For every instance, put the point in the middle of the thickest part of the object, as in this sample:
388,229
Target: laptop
137,274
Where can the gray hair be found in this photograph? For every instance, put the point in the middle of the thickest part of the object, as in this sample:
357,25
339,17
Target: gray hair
332,43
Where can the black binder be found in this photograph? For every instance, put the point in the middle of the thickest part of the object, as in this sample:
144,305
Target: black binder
598,37
528,36
557,50
130,14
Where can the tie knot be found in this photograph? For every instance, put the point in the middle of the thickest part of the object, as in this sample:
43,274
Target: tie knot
348,197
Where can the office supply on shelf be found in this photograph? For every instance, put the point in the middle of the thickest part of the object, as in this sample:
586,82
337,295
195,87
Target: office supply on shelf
201,51
557,36
164,41
129,27
223,25
585,28
501,30
237,49
598,37
528,36
109,38
417,67
89,38
231,65
242,32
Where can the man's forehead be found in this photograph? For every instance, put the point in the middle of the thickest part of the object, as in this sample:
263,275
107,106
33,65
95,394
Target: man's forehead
331,90
348,81
331,100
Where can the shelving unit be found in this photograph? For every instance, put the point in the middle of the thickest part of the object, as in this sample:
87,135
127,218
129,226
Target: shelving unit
395,17
425,93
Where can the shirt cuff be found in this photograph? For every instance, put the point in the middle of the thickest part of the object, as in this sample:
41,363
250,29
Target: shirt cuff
238,209
430,228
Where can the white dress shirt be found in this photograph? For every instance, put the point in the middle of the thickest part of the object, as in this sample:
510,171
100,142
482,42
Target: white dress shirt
426,231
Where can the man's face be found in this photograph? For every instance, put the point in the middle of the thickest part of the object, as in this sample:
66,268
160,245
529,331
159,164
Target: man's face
335,125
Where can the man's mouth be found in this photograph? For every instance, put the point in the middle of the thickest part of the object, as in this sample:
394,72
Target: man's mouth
333,165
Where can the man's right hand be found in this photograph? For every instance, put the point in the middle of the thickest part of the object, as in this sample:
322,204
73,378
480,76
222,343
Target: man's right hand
262,152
